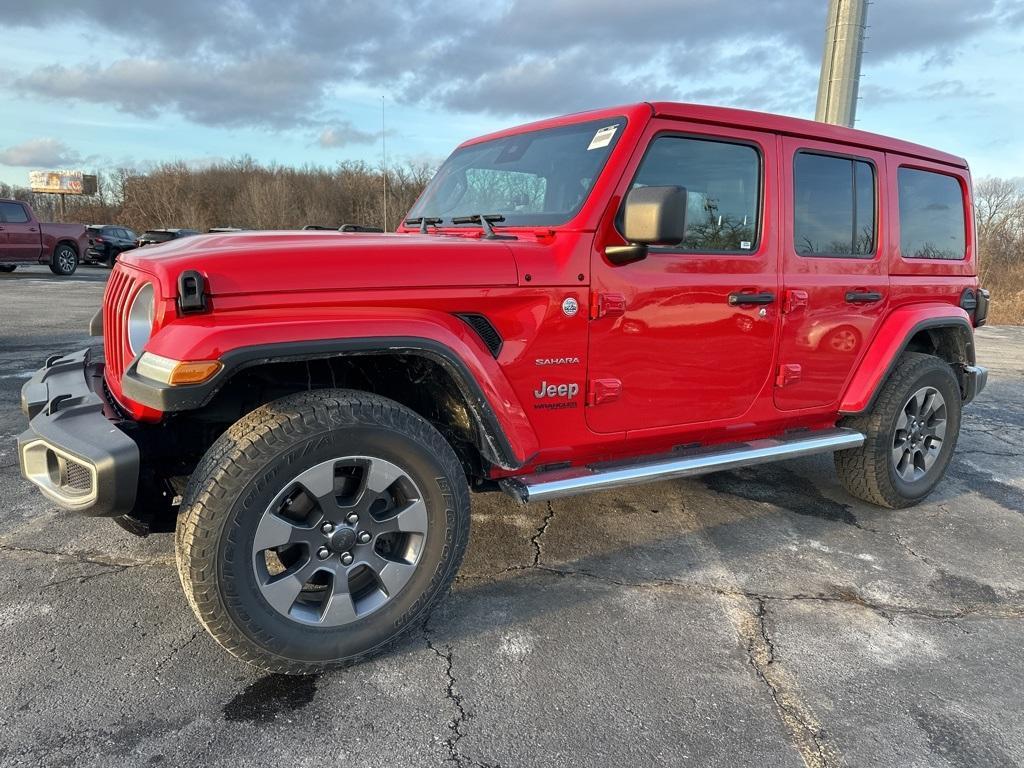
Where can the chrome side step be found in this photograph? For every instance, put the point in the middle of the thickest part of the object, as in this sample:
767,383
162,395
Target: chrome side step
568,482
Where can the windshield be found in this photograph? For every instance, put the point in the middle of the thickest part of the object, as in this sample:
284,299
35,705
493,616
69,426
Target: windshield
538,178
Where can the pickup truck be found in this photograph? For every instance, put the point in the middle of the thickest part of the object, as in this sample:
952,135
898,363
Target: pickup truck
26,240
641,293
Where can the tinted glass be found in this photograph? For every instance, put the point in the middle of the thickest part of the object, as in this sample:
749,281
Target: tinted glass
536,178
722,182
157,237
833,206
13,213
931,216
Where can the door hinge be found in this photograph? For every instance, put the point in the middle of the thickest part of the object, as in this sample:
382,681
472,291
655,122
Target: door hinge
607,305
603,391
789,373
794,300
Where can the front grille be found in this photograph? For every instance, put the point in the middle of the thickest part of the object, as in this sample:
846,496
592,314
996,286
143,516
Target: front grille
116,301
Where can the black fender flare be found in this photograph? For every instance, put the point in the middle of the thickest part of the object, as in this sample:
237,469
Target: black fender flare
495,444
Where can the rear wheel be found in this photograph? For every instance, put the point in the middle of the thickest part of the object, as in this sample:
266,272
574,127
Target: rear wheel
321,528
910,433
64,260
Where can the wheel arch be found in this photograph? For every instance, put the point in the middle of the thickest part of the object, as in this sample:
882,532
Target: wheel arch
940,330
70,242
459,385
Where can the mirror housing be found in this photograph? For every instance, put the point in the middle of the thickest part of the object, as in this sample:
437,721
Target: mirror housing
651,216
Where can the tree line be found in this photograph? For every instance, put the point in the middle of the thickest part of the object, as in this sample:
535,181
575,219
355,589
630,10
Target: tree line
999,213
239,193
246,194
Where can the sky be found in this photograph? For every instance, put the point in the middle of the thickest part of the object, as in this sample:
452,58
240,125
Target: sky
99,84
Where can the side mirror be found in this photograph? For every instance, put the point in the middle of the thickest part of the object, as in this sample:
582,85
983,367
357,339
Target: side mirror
651,216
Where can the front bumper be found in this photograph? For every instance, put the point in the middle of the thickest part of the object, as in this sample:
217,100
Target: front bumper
973,382
73,450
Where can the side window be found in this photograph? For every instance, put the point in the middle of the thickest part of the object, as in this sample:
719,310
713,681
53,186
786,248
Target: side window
13,213
723,187
833,206
931,216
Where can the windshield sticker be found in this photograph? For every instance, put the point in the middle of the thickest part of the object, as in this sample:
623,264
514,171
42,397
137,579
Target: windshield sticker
603,137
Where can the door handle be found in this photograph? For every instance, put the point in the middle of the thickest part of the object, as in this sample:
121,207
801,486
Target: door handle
863,297
739,299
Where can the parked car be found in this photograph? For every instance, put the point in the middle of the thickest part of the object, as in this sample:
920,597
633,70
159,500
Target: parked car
107,242
154,236
26,240
633,294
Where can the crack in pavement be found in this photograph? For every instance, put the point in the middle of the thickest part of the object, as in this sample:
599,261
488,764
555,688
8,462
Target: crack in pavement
451,693
110,570
91,558
535,539
912,552
175,650
841,596
806,732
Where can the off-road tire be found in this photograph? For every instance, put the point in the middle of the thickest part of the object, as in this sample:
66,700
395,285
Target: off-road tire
64,260
229,491
868,472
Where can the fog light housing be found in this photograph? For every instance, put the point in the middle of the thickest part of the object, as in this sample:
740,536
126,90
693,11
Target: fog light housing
177,372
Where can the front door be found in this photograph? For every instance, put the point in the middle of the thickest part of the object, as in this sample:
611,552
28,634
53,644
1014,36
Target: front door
678,338
835,281
22,234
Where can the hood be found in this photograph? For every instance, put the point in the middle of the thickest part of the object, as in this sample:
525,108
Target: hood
283,261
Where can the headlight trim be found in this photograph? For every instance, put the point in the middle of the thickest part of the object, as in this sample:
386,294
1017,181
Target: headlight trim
140,318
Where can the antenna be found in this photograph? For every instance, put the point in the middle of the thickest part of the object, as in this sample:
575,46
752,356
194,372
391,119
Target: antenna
384,161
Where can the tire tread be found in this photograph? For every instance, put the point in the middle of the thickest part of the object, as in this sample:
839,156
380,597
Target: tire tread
251,443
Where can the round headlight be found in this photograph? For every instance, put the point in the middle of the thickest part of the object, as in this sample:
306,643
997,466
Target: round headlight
140,319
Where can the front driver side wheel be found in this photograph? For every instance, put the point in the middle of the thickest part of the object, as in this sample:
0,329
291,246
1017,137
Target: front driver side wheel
321,528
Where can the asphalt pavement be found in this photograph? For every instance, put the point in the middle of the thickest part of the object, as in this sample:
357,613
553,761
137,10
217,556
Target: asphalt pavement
756,617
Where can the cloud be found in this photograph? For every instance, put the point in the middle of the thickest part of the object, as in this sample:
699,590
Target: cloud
40,153
273,91
345,134
270,64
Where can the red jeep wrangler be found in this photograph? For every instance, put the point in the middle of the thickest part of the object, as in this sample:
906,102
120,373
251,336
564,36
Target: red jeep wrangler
634,294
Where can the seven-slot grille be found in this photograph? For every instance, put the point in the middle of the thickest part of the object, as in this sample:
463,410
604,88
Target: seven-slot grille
121,289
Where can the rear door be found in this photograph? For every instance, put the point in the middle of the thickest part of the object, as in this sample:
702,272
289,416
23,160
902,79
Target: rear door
687,335
834,274
22,234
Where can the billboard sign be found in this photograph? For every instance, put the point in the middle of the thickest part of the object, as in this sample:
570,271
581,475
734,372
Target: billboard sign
62,182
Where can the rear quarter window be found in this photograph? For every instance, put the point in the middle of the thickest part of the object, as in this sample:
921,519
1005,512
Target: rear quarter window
932,221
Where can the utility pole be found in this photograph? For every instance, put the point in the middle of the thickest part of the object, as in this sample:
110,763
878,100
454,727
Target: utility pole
384,161
840,65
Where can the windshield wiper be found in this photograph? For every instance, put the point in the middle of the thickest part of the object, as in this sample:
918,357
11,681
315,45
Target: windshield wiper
424,222
484,220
